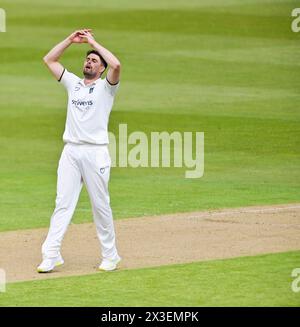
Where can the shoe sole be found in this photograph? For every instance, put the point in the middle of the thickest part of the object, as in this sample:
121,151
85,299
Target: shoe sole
47,271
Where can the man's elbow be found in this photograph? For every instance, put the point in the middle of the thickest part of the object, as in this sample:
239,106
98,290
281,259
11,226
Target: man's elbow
45,60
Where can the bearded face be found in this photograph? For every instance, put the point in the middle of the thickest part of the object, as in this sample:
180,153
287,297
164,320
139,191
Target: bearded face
92,66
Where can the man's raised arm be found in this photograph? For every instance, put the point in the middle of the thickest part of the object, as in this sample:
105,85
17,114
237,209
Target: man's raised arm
113,74
52,57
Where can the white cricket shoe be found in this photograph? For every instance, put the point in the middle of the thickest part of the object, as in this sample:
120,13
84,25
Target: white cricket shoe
109,264
48,264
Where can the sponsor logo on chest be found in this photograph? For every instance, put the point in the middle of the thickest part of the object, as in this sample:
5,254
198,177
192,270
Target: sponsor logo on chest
82,103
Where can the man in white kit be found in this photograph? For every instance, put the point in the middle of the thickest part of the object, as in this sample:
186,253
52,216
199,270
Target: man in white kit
85,157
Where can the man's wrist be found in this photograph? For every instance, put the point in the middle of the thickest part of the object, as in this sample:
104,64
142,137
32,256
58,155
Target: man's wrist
68,41
93,43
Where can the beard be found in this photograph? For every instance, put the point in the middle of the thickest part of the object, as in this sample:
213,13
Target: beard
88,74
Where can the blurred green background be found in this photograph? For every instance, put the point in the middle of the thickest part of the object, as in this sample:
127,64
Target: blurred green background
229,69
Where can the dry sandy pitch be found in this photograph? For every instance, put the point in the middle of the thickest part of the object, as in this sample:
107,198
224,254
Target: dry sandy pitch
160,240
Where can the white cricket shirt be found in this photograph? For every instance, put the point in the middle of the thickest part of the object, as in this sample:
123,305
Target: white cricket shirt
89,107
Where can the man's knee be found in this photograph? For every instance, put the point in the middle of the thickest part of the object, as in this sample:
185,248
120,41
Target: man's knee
64,203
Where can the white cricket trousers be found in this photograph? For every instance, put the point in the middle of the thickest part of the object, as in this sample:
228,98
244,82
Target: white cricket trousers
78,164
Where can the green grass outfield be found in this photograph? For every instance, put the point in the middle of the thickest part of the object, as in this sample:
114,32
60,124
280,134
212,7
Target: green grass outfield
250,281
227,68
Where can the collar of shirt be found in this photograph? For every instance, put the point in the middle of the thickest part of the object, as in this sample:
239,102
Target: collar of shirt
81,82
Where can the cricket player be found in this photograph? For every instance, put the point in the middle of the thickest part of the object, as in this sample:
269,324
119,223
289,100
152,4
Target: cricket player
85,157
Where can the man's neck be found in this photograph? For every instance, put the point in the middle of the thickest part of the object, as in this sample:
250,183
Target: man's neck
90,81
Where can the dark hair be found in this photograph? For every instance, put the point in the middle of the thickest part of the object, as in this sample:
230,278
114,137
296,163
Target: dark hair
99,55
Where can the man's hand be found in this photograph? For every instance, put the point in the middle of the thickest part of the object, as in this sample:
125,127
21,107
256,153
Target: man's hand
87,37
80,36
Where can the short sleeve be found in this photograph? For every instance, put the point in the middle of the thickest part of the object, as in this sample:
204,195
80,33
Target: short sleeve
68,79
111,88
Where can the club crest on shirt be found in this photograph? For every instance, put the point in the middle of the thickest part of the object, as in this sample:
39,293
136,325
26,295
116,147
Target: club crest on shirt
91,90
102,169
